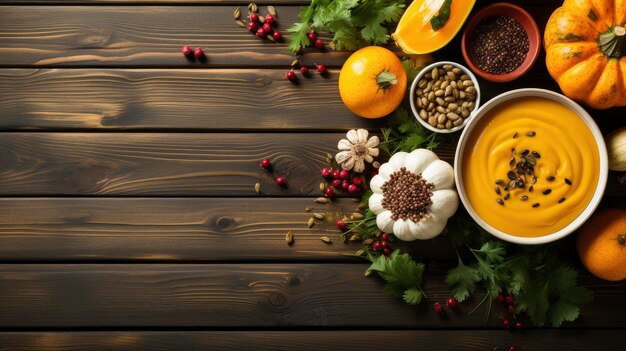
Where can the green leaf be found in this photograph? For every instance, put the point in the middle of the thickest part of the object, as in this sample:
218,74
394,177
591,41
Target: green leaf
393,290
563,311
534,301
462,281
400,272
494,252
440,20
413,296
578,295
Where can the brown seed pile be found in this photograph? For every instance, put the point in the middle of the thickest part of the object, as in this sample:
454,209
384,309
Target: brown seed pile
407,195
445,97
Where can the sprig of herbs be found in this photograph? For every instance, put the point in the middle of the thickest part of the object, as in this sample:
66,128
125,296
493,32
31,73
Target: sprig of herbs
353,23
403,276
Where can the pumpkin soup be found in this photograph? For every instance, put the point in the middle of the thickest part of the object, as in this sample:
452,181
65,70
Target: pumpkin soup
530,167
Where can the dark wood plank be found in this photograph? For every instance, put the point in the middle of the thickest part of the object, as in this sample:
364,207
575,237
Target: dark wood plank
142,36
204,99
229,295
166,229
442,340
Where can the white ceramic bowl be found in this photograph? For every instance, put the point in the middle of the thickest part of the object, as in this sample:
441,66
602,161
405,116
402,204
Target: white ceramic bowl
604,167
428,69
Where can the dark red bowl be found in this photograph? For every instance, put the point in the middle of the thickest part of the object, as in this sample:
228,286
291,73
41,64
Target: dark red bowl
525,19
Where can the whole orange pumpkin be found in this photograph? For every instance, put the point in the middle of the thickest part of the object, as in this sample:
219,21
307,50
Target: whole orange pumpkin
601,244
372,82
585,42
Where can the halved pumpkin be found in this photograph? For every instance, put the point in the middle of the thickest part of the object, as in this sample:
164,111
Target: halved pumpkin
423,28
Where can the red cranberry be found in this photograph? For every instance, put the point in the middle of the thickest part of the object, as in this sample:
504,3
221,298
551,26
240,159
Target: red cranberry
384,244
280,180
261,33
384,236
345,185
312,37
352,188
509,300
329,192
186,50
266,163
452,302
269,18
325,172
340,224
319,43
336,183
321,69
506,323
519,325
335,174
267,28
510,309
376,246
387,252
511,348
500,297
357,180
304,71
277,35
198,53
253,27
254,17
438,308
343,174
291,75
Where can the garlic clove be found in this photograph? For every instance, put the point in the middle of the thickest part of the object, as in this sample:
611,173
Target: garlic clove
344,145
376,203
419,159
376,184
397,160
384,221
440,174
402,230
373,142
368,158
359,165
445,203
385,171
342,156
373,151
353,136
362,135
348,164
430,226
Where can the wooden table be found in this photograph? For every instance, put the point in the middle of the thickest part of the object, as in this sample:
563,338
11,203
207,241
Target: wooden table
128,215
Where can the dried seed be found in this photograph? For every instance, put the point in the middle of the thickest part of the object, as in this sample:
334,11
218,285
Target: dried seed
513,151
550,178
356,216
531,134
449,124
447,67
567,181
440,101
525,152
536,204
295,62
257,188
423,114
237,13
253,8
318,215
498,190
326,239
524,198
240,23
531,188
499,181
321,200
329,156
440,126
458,122
500,201
439,93
547,191
432,120
360,253
434,74
308,208
422,84
451,75
561,200
367,273
355,237
511,175
289,238
271,10
442,119
368,241
512,184
322,187
507,196
514,135
311,222
536,154
512,162
531,160
452,116
534,180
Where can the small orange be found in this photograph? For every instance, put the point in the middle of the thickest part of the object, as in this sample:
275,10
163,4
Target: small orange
601,244
372,82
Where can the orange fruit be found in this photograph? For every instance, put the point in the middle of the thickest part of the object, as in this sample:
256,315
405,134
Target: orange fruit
601,244
372,82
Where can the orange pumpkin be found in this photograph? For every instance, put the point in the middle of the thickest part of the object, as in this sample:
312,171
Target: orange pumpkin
601,244
372,82
585,42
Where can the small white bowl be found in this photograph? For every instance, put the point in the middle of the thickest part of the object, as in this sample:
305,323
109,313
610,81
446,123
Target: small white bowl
593,127
428,69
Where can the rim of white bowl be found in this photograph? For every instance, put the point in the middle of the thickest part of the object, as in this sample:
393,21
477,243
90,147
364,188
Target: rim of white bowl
422,74
602,180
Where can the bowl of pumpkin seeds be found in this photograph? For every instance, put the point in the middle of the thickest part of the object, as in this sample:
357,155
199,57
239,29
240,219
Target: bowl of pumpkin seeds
444,96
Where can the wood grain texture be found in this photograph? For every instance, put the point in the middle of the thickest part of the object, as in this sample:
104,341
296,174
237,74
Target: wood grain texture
142,36
346,340
176,229
241,295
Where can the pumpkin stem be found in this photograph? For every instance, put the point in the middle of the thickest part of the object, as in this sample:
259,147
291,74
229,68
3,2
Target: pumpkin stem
612,43
621,239
386,79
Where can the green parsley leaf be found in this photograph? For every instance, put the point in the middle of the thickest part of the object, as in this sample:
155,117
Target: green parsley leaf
437,22
493,251
562,311
462,281
413,296
402,274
